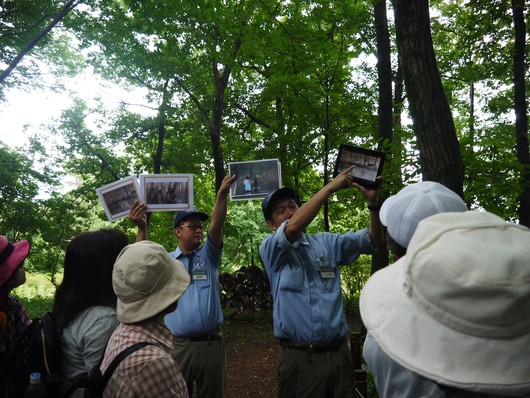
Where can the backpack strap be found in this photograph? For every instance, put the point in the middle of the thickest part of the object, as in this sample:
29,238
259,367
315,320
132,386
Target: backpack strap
85,380
120,357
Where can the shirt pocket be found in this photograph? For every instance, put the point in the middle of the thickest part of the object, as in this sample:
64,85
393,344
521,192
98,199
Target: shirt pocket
292,278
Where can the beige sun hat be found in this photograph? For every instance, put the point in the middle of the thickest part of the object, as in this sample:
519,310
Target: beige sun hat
402,212
146,280
456,308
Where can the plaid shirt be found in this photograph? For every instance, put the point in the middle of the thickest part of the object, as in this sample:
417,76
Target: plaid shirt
148,372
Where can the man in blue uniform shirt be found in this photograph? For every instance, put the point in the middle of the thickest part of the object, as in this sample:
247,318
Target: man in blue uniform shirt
199,348
309,320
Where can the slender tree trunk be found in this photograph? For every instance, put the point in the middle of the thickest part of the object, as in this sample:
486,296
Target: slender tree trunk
398,109
440,155
384,73
157,159
521,117
384,113
326,161
220,83
471,126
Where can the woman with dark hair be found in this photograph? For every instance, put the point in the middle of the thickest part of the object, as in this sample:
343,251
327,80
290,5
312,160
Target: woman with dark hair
85,302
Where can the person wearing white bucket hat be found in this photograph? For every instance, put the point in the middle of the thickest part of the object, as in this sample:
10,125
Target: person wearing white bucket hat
148,282
455,310
402,212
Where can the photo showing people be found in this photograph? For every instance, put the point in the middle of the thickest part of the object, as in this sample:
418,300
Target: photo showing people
368,163
254,178
167,192
118,197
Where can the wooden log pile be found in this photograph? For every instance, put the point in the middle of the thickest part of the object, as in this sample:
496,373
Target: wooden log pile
246,290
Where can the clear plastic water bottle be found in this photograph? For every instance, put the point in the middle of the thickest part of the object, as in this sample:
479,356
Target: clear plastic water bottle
35,388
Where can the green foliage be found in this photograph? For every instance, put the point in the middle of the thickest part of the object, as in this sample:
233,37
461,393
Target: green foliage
353,278
36,294
21,213
54,54
245,228
299,85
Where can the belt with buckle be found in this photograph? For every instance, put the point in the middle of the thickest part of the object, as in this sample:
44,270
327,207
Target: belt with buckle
313,347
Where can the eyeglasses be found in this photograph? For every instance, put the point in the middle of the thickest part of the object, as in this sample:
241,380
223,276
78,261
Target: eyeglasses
194,227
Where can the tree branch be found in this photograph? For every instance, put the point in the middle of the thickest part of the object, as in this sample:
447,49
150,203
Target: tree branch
69,5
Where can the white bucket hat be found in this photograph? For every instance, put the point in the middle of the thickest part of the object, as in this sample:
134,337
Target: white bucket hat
456,308
402,212
146,280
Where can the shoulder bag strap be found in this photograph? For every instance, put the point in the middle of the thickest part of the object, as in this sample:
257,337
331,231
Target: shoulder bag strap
120,357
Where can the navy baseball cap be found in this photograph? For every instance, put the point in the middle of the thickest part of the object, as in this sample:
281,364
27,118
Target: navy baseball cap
182,214
273,196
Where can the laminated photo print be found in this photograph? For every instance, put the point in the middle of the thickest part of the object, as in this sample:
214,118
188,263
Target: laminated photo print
368,164
255,179
167,192
118,197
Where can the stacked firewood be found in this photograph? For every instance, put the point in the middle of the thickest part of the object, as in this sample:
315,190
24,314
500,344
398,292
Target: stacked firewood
246,290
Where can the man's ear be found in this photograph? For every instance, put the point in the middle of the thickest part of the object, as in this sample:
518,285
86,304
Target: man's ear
177,232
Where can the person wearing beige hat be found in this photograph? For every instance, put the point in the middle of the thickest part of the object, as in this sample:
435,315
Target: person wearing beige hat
454,311
148,283
13,316
199,347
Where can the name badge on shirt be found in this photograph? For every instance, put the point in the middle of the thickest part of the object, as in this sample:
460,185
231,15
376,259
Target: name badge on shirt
327,273
199,275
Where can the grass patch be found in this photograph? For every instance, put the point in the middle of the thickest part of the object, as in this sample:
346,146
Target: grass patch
36,294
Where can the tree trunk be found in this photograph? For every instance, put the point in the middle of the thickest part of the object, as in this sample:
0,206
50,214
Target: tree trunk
326,159
220,83
521,118
440,156
384,73
397,124
157,159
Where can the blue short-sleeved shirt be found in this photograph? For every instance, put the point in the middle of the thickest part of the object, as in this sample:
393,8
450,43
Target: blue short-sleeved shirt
199,308
305,282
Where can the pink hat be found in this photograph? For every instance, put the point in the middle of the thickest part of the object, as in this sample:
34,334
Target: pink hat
11,256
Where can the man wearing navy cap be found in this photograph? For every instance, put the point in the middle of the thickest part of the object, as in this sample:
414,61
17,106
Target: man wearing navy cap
199,348
309,320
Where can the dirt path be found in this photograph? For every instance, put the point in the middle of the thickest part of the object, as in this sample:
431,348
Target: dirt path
252,354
